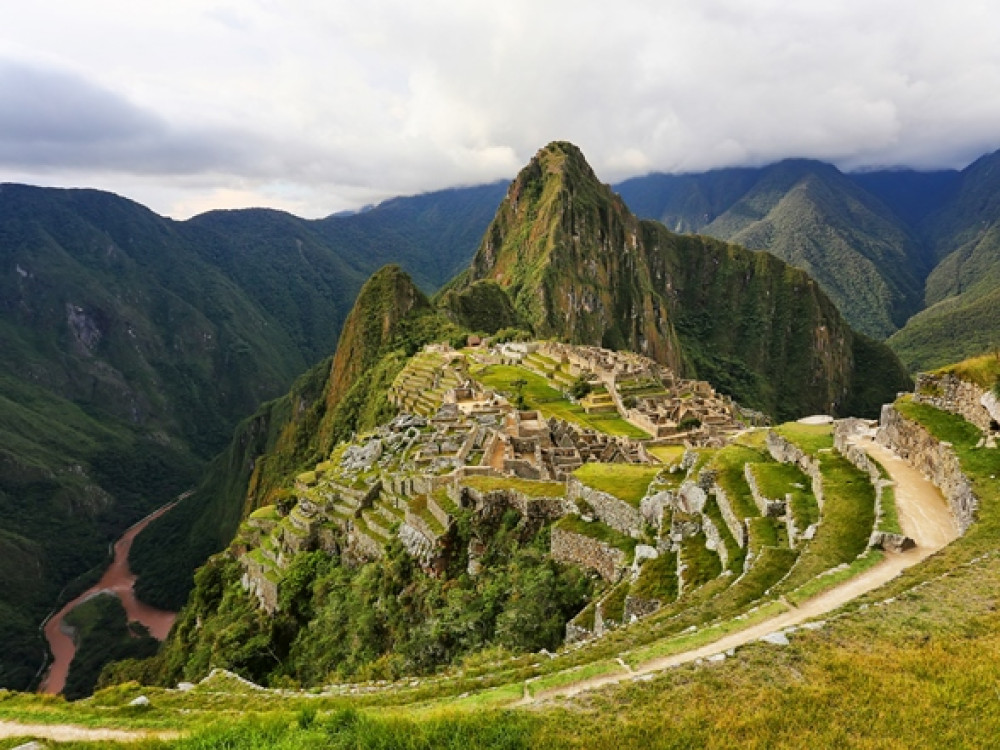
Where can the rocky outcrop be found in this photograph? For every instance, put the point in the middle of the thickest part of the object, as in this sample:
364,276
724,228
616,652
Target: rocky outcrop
577,549
934,458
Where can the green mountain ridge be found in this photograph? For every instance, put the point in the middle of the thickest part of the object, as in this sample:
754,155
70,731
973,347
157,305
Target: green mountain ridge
761,330
134,344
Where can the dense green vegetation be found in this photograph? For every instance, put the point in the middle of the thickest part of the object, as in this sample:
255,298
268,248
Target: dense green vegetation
102,634
756,328
134,344
391,320
382,620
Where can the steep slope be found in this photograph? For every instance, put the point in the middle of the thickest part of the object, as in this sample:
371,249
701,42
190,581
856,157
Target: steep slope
134,344
813,217
963,291
578,265
390,320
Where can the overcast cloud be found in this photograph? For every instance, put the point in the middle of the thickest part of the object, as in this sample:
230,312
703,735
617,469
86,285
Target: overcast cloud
317,106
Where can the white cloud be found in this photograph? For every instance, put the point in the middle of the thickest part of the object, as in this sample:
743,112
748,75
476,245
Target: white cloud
314,106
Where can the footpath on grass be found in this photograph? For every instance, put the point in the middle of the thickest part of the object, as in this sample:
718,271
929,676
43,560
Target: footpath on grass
71,733
923,516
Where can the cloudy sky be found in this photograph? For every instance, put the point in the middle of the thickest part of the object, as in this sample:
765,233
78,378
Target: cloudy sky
316,106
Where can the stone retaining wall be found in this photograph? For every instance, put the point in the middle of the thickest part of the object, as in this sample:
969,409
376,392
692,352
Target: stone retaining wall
949,393
785,452
612,511
737,527
935,459
713,541
768,506
494,501
577,549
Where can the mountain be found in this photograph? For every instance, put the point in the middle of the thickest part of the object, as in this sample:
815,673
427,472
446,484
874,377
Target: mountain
134,344
578,265
963,291
809,214
389,321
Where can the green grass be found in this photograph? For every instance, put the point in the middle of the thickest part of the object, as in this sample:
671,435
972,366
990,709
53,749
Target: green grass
657,579
528,487
668,454
613,605
777,480
599,531
811,438
848,519
577,674
702,563
729,463
538,394
983,371
627,482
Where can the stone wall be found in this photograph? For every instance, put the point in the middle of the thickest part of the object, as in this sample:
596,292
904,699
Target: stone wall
843,430
258,579
713,541
949,393
768,506
495,502
935,459
785,452
637,608
577,549
616,513
737,527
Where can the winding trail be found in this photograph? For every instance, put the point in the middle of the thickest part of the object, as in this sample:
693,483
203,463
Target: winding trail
923,516
73,733
119,580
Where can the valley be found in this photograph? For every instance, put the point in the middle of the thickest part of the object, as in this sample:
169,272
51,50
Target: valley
576,474
117,580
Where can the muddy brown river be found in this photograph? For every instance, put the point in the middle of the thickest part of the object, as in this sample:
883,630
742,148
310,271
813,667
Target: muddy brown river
119,580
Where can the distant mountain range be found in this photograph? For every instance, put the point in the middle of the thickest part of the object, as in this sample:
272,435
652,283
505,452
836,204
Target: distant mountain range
134,344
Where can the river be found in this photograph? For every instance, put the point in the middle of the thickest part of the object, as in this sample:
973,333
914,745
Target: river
119,580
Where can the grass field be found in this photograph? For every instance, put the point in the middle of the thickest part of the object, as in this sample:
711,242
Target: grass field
538,394
627,482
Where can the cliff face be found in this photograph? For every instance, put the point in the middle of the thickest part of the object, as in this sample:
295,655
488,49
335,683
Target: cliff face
579,266
569,254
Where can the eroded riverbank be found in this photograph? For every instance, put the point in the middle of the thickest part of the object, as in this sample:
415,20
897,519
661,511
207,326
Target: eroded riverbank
119,580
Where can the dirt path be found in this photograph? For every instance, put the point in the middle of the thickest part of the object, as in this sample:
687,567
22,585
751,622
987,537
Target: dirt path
119,580
923,515
71,733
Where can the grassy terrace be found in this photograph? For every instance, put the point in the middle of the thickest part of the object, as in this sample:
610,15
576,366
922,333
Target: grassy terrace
538,394
848,518
983,371
668,454
812,438
728,462
702,563
600,532
528,487
657,579
776,480
627,482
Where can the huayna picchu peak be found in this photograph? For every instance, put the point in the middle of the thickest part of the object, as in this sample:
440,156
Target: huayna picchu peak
578,266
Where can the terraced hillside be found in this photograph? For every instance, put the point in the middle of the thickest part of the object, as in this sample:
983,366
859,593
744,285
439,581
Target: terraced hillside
926,630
